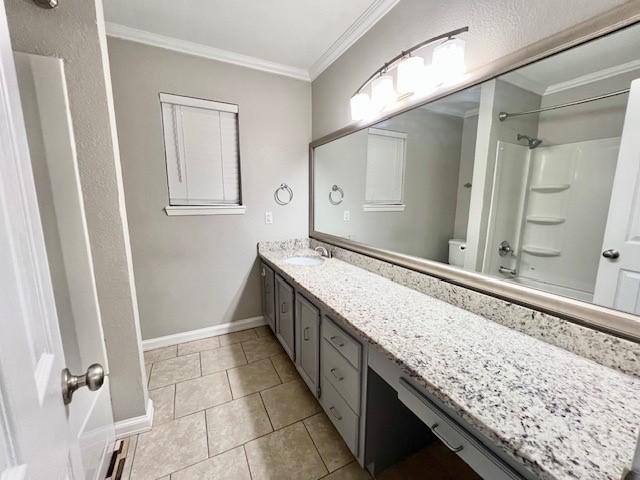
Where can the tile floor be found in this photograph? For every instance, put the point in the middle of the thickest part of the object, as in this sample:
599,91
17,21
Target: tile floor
233,407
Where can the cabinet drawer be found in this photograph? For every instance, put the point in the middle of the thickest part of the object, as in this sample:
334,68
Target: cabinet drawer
342,375
344,419
342,342
476,455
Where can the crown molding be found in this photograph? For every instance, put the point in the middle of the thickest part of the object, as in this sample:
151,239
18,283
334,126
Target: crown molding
363,23
593,77
519,80
199,50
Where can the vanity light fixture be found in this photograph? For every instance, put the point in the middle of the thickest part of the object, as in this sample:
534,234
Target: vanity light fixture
413,76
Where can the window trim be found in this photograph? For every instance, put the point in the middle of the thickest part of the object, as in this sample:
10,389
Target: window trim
214,209
388,206
182,210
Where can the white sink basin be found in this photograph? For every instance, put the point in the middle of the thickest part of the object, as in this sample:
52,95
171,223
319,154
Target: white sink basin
305,261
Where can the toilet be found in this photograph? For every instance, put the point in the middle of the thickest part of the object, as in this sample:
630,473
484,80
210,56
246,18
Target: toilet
457,248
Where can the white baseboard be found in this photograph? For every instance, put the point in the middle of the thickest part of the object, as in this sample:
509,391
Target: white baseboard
201,333
135,425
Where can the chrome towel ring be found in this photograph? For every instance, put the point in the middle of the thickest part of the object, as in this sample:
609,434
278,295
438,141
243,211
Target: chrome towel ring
276,194
336,188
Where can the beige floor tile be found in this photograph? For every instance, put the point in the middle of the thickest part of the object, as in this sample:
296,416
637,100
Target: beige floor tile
236,422
289,403
162,404
260,348
353,471
285,368
328,441
264,331
286,454
231,465
166,372
170,447
222,358
158,354
202,392
237,337
198,345
252,378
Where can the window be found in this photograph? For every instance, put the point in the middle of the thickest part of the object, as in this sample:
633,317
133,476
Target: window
201,149
384,181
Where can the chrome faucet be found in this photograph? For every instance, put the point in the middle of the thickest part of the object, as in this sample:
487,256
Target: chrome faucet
323,251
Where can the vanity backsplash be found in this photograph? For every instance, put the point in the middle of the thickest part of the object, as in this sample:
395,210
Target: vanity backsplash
605,349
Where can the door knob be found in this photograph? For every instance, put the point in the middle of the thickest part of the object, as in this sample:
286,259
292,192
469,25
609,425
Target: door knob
611,254
93,379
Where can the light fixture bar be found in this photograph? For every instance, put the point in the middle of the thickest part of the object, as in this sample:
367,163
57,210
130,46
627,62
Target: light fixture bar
391,63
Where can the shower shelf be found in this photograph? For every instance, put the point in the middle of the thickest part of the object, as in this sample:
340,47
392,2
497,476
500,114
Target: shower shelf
550,188
540,251
545,220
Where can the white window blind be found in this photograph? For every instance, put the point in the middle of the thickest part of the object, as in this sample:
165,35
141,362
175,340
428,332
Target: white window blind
385,167
201,144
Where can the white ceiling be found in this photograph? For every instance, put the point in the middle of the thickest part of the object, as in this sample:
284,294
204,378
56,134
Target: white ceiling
603,57
298,35
461,104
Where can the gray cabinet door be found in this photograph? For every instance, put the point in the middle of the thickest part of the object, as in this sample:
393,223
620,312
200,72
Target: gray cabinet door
268,296
307,342
285,316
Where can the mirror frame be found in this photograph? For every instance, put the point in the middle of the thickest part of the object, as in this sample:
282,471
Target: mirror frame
618,323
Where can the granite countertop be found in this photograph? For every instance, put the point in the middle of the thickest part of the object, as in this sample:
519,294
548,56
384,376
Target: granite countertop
560,415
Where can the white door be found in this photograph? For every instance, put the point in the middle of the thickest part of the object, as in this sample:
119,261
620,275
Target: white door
618,279
48,306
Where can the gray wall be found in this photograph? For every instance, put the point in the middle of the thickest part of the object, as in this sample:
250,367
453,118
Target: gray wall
431,173
465,175
75,33
497,27
199,271
601,119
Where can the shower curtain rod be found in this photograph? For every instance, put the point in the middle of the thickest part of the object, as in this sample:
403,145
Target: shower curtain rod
504,115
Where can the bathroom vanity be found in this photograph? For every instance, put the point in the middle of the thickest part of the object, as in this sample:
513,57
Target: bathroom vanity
509,405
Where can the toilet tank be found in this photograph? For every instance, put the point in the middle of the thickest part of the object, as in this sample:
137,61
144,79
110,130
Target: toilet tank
457,248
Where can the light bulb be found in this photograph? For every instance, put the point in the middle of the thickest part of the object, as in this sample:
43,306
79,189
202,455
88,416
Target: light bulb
382,92
410,74
448,60
360,106
429,80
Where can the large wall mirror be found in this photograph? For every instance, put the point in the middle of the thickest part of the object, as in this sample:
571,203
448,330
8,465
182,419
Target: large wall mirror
521,179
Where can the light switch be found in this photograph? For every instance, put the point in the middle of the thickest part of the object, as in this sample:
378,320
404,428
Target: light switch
346,216
268,218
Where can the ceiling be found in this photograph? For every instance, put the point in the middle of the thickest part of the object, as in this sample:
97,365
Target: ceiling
301,37
600,58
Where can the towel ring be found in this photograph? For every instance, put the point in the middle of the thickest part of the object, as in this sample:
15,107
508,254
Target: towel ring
336,188
286,188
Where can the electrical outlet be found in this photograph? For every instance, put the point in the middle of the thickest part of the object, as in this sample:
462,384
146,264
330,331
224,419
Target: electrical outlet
346,216
268,218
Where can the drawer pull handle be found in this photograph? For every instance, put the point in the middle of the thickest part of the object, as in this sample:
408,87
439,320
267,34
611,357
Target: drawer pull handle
338,377
284,308
335,413
306,334
264,273
335,339
443,440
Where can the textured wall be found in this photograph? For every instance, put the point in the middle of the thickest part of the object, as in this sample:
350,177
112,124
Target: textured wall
199,271
73,32
497,27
